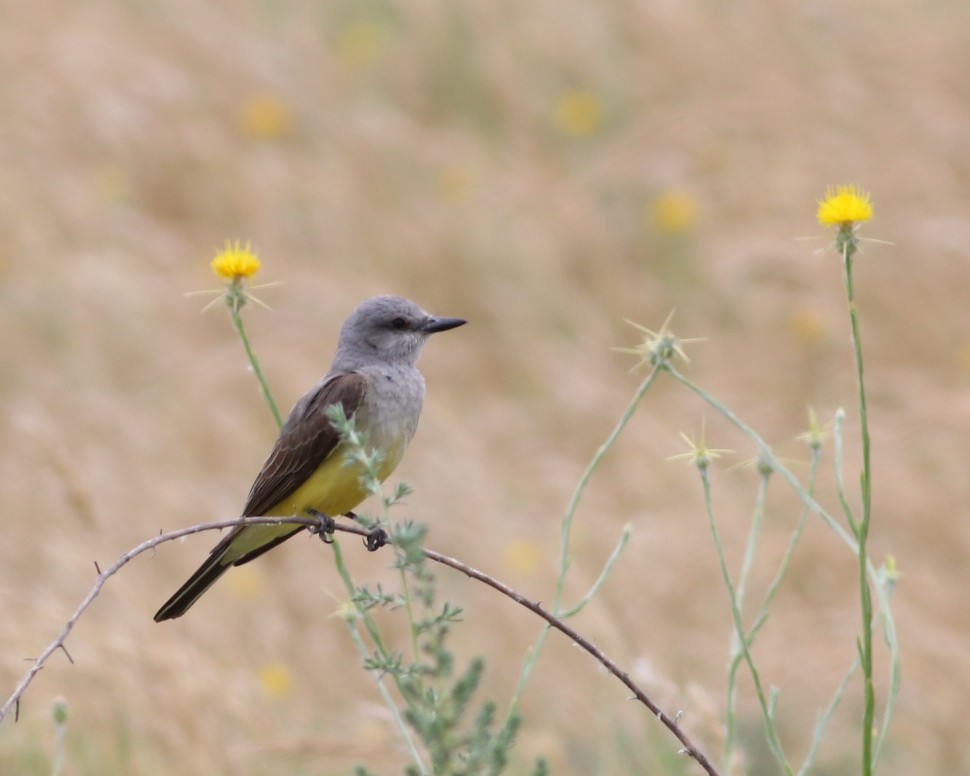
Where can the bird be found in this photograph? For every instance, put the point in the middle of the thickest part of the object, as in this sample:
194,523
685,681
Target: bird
374,376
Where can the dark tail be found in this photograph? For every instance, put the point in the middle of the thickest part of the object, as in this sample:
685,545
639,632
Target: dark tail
213,568
197,584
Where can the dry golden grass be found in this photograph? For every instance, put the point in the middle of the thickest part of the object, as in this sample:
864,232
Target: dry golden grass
500,161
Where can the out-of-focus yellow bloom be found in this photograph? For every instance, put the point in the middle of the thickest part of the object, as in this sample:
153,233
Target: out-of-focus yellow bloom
808,325
673,212
456,182
522,556
265,117
235,262
112,184
579,113
361,43
844,206
275,680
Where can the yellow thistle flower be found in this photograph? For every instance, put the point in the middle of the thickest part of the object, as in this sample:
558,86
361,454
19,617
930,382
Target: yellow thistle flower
844,206
456,182
807,325
579,113
235,263
672,212
522,556
361,43
265,117
275,680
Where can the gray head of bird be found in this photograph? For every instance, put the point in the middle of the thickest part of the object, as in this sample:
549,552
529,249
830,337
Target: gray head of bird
391,329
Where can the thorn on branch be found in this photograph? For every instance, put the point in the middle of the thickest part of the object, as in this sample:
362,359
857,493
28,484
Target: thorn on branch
66,653
97,568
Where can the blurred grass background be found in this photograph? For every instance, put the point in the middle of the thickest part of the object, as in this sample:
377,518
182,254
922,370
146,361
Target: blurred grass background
544,169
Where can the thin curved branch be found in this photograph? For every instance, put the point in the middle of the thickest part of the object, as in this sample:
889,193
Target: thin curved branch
13,702
326,526
669,722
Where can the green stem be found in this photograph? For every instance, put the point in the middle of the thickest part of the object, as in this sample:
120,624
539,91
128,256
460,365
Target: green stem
847,240
378,677
736,653
409,611
264,386
767,709
849,538
567,525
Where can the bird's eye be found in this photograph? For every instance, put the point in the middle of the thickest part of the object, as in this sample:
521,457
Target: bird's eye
399,323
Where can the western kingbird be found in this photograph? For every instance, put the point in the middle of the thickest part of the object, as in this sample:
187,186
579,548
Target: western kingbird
375,377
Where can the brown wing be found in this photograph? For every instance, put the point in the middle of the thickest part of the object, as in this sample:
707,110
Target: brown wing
306,439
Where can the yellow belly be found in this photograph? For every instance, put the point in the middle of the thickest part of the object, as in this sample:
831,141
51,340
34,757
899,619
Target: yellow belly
333,489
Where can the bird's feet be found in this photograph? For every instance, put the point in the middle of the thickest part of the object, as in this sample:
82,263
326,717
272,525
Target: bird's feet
325,528
375,538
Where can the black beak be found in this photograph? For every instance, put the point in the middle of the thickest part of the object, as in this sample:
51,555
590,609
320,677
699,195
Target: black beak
433,324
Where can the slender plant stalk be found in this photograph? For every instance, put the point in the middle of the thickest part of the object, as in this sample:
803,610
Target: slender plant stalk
838,437
793,541
847,242
770,457
822,722
767,707
754,534
567,523
254,362
882,591
378,677
736,652
604,574
532,656
762,616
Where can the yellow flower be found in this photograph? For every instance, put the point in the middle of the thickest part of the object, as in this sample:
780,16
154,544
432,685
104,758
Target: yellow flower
265,117
522,556
456,182
807,325
111,183
844,206
275,679
361,43
673,212
579,113
234,263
